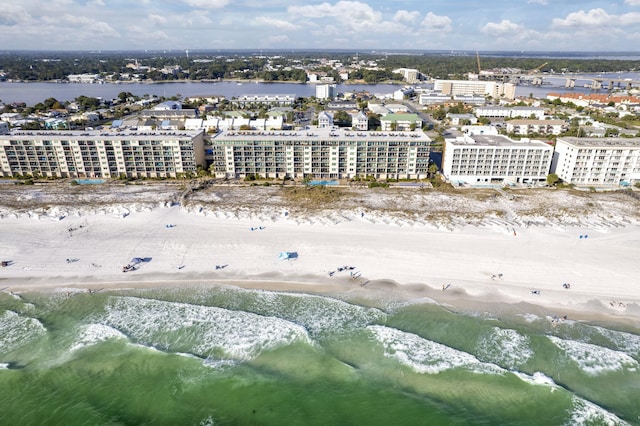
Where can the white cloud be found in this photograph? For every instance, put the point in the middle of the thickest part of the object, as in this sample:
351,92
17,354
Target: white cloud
596,18
263,21
14,15
194,19
207,4
353,15
157,19
277,39
96,3
543,2
406,17
87,24
501,28
632,2
432,22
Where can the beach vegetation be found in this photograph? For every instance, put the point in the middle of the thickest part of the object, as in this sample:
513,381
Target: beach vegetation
553,179
378,185
312,196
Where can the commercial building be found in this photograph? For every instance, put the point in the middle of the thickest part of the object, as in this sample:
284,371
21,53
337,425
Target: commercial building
481,159
101,154
321,153
597,161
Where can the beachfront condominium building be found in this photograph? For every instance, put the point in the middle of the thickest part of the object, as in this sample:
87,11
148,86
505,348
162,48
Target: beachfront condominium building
485,159
476,87
101,154
597,161
321,153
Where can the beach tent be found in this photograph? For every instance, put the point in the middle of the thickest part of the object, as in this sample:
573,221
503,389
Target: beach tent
286,255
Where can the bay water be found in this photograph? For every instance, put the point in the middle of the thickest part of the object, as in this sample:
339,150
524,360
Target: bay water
223,355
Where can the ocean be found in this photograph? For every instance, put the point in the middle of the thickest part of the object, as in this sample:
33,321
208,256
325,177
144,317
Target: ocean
223,355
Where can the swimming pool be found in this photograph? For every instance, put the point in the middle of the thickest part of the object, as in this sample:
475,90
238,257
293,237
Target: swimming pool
323,182
89,181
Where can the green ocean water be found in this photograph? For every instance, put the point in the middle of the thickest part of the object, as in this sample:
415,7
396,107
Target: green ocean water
217,355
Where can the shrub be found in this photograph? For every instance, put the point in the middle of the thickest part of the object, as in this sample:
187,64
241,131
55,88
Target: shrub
378,185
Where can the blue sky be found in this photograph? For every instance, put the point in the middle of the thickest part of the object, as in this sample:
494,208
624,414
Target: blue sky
555,25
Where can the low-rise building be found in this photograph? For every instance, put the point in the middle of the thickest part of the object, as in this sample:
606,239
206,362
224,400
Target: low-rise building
84,78
541,127
325,119
359,121
432,98
267,101
486,159
509,112
400,122
460,119
321,153
597,161
101,154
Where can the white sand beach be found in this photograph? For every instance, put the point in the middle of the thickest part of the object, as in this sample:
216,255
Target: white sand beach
495,259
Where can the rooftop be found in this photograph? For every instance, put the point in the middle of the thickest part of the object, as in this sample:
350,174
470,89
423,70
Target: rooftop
494,140
334,133
602,142
97,134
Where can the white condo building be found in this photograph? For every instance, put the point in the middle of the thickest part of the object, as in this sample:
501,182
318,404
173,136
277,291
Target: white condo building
474,87
597,161
481,159
321,153
101,154
326,91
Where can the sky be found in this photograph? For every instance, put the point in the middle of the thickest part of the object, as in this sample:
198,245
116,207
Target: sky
513,25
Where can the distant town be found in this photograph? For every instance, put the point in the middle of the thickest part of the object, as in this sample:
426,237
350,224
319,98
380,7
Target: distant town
461,128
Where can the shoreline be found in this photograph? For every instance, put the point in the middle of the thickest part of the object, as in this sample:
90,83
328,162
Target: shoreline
82,238
376,293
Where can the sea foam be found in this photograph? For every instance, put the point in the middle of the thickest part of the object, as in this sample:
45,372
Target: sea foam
625,342
505,347
425,356
90,334
200,330
317,314
593,359
588,413
17,330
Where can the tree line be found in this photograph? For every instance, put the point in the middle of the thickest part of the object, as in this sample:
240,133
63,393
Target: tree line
284,66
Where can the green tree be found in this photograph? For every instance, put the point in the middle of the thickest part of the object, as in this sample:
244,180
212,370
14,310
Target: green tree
342,118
